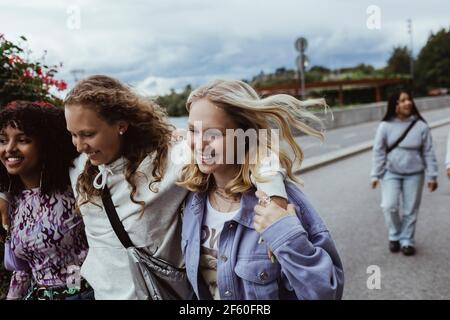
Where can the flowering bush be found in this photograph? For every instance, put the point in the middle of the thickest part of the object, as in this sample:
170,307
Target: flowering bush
21,79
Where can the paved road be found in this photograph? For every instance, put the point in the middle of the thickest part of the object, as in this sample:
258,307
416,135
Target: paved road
348,136
341,194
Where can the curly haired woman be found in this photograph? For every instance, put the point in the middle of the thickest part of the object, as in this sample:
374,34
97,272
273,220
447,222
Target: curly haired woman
45,231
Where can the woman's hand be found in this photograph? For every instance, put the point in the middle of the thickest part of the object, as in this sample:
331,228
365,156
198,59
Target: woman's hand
282,202
432,186
374,183
267,215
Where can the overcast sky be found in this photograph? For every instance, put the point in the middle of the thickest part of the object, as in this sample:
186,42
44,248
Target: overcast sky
156,45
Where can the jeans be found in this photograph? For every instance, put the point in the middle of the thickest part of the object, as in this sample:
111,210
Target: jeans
408,188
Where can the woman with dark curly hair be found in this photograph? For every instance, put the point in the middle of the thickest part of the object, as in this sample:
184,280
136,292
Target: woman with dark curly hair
127,148
45,231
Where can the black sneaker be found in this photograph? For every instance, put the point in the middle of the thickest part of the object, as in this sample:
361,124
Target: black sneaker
408,251
394,246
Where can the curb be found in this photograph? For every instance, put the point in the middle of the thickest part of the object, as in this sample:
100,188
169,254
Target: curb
323,160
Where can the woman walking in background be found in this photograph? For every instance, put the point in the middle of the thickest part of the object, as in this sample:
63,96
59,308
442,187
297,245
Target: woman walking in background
403,157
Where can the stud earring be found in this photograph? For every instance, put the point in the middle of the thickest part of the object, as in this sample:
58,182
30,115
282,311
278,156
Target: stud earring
121,132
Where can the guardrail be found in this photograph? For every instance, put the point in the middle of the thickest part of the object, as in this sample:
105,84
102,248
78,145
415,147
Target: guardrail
328,158
348,116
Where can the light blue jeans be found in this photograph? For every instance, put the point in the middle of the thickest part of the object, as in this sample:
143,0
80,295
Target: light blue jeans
408,188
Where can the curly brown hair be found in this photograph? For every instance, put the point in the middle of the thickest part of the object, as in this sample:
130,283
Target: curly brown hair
149,132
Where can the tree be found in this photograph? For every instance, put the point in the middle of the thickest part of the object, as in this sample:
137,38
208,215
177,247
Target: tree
320,69
399,61
433,62
21,79
175,103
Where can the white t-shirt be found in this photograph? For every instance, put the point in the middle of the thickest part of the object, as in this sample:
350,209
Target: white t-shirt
212,226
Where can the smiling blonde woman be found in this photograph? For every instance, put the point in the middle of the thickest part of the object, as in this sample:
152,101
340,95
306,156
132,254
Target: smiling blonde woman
234,250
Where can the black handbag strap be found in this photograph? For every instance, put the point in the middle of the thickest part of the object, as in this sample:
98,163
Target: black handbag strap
114,219
403,136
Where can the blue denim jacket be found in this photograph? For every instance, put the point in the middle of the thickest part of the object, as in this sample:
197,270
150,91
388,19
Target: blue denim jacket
307,267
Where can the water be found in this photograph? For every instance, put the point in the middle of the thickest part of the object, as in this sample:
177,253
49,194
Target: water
179,122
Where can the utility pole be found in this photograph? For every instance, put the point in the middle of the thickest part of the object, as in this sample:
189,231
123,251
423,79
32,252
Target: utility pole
411,60
301,45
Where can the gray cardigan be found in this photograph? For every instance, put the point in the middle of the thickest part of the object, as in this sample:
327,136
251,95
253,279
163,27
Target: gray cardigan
415,154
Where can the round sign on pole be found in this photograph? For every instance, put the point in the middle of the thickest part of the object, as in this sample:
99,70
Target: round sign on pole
301,44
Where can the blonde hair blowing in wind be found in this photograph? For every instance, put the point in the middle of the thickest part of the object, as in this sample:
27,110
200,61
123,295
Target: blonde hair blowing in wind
243,104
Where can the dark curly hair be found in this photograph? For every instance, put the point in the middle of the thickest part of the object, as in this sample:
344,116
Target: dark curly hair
45,123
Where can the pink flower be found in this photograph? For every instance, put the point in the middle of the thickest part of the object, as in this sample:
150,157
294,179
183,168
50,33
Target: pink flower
27,74
61,85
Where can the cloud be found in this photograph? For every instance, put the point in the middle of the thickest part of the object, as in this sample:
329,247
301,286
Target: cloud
162,44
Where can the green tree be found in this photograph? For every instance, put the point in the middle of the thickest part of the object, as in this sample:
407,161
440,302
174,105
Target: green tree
399,61
175,103
316,73
433,62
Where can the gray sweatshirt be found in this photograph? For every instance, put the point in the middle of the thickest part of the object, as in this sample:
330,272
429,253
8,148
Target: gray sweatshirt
414,154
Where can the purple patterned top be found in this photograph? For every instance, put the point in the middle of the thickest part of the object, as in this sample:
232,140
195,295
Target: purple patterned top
46,232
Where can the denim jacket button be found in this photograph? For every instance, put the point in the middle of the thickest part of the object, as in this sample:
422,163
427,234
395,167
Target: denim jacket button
227,293
230,226
263,275
224,258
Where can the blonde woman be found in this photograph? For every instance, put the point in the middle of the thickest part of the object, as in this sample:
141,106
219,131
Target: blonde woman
234,250
125,143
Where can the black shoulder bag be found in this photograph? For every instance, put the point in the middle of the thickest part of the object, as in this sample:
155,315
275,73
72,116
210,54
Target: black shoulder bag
403,136
154,279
